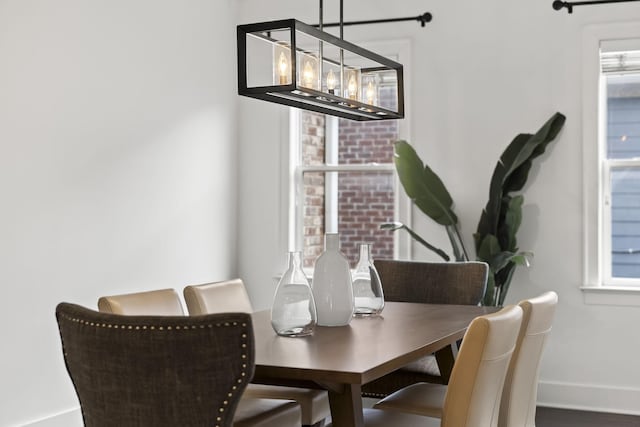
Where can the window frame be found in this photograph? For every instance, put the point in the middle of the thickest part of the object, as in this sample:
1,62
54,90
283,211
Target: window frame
598,286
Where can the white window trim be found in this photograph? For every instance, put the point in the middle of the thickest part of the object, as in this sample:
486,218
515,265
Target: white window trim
596,288
290,124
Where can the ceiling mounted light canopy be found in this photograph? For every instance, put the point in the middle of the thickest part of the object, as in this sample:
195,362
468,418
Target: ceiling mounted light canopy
291,63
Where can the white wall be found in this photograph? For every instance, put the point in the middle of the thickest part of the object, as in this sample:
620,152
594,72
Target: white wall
117,168
482,72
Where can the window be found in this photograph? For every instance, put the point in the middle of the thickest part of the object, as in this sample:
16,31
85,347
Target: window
342,179
344,182
621,168
611,126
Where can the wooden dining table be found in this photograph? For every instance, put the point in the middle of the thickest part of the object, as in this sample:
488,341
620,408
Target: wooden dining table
342,359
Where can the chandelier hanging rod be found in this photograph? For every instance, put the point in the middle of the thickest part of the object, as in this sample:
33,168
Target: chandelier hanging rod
423,19
558,4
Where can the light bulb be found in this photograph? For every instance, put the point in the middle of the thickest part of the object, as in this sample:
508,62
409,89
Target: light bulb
308,75
371,93
352,86
282,68
331,82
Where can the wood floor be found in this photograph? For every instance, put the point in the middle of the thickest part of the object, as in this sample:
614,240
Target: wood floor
551,417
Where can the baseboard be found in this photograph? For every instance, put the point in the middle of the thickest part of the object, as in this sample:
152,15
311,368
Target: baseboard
69,418
589,397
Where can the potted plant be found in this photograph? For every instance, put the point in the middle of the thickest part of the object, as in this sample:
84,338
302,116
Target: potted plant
495,239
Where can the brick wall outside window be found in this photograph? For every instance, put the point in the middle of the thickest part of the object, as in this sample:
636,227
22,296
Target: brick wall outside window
366,200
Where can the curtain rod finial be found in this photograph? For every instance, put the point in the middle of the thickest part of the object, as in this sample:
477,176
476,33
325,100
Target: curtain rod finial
424,18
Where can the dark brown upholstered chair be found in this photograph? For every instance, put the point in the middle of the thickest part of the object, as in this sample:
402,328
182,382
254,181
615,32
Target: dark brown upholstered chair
461,283
156,371
252,411
231,296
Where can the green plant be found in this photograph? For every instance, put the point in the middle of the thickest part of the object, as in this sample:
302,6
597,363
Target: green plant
495,238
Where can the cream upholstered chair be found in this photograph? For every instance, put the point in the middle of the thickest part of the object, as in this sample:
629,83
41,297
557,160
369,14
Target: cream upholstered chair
152,371
518,403
231,296
220,297
461,283
161,302
519,397
251,411
473,395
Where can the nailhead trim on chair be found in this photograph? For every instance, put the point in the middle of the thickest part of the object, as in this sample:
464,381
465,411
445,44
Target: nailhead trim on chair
234,388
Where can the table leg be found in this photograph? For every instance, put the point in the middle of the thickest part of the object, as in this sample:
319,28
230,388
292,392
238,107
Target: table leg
346,406
445,358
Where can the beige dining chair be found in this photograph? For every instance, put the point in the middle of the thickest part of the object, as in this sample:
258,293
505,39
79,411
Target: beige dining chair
231,296
519,398
473,395
252,411
461,283
152,371
157,302
518,403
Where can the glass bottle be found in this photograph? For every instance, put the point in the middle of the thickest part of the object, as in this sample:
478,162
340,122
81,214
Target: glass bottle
332,285
367,289
293,313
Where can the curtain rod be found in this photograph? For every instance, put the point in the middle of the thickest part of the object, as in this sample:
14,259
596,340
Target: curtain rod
423,19
558,4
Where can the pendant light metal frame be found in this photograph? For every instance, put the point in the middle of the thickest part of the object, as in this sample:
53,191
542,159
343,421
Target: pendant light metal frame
297,95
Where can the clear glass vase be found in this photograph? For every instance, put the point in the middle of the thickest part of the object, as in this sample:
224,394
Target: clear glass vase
367,289
332,285
293,313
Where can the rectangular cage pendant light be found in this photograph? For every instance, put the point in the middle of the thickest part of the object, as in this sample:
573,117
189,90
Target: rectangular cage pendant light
291,63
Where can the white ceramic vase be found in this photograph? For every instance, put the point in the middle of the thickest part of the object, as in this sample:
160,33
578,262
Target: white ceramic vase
332,288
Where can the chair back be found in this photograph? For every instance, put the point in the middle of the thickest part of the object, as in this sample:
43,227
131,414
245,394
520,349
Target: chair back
473,394
461,283
518,406
162,302
156,371
228,296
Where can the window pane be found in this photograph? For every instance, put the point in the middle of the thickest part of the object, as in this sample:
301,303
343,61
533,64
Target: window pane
364,201
623,116
367,142
625,222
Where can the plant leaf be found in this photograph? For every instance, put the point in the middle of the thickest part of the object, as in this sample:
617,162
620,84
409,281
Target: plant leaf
514,161
505,286
490,294
459,251
423,186
512,221
500,260
393,226
489,247
489,218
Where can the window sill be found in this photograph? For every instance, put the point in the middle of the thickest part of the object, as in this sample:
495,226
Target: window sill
611,295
